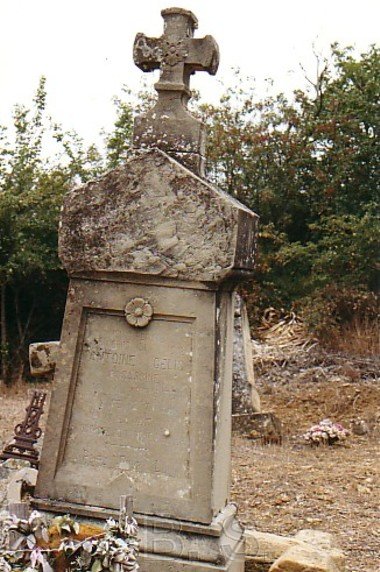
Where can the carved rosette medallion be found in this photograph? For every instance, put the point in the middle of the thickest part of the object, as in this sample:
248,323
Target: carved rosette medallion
138,312
174,52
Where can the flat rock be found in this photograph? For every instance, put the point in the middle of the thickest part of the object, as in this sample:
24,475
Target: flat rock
24,477
307,558
320,539
307,551
42,358
266,547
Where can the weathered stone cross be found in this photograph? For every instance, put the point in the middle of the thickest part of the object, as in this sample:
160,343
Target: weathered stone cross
178,54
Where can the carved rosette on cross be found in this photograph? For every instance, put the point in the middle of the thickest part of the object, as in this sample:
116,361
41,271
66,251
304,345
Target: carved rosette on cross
178,55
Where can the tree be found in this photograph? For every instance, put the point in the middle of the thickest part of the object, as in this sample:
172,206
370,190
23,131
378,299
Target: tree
31,191
309,167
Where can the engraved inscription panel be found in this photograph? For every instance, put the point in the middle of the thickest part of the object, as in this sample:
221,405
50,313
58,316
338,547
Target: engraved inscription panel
130,414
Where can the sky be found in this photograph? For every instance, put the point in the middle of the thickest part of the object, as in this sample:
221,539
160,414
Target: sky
84,48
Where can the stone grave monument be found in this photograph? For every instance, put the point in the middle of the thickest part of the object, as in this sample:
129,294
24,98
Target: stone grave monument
142,391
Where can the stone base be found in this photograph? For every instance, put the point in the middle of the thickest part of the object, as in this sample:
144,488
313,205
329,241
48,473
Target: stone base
171,545
152,563
265,425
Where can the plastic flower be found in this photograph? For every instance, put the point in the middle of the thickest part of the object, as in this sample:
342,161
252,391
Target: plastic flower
66,525
326,432
37,558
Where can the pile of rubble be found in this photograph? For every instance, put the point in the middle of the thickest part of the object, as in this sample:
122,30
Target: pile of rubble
285,352
281,337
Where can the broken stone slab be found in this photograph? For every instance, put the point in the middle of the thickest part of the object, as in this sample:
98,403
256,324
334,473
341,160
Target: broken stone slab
318,538
42,358
265,425
8,469
306,557
311,550
245,397
266,547
26,477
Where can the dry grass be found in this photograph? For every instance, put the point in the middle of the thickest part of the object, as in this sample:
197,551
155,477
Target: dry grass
360,337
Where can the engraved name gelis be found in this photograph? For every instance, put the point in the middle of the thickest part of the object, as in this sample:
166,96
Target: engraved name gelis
168,363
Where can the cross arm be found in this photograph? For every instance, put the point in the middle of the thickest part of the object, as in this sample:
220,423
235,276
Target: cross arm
203,55
147,52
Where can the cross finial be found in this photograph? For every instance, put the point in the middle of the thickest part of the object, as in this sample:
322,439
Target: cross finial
178,55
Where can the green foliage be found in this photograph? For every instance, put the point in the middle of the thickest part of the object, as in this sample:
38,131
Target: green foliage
127,107
31,191
309,167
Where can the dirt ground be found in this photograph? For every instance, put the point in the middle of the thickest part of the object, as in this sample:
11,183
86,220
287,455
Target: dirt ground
288,487
282,489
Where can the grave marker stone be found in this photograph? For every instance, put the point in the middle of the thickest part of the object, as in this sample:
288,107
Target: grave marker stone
142,398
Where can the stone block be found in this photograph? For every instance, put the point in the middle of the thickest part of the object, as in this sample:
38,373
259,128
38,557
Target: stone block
24,478
265,425
307,558
308,550
42,358
176,225
265,547
245,397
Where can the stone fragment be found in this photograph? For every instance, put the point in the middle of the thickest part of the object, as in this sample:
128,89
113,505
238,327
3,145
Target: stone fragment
245,397
266,547
307,558
265,425
14,465
24,478
307,551
359,427
319,538
42,358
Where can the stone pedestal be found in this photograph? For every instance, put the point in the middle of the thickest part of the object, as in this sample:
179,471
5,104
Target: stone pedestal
174,544
142,391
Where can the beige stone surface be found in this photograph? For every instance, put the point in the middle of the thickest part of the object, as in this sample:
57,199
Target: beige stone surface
245,397
266,547
24,477
307,558
133,409
152,216
307,551
319,538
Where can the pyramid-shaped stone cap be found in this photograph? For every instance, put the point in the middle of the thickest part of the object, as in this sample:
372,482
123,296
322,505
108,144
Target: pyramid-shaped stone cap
152,216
